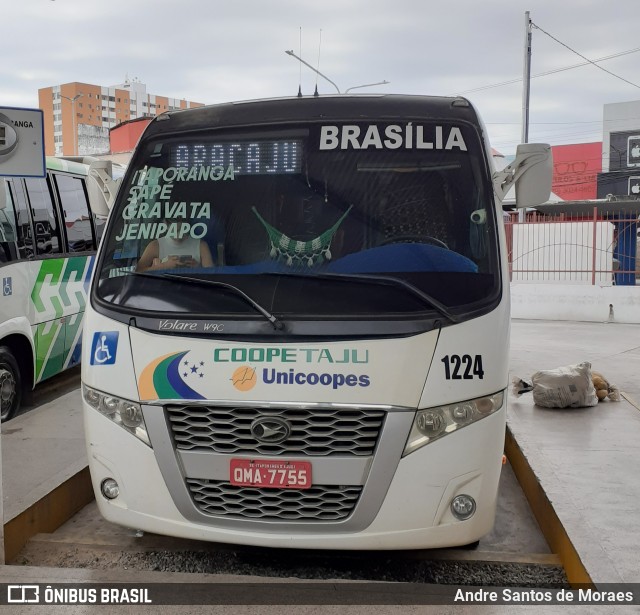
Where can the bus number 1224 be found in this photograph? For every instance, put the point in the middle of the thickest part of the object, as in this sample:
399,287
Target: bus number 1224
463,367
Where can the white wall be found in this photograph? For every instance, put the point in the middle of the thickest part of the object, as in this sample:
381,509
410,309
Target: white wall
575,302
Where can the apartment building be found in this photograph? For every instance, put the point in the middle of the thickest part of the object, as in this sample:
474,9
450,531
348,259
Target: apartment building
78,116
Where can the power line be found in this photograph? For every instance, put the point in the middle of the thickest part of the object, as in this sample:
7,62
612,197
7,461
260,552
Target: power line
546,123
604,121
563,139
552,71
635,85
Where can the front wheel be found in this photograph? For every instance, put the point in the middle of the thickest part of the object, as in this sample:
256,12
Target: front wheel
10,385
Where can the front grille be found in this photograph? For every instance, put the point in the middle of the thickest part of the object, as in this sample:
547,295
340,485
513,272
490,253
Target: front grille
314,432
319,503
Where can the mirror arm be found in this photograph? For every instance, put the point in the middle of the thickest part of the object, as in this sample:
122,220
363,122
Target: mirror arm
507,177
107,185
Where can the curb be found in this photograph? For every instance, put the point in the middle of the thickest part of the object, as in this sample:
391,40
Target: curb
546,516
48,513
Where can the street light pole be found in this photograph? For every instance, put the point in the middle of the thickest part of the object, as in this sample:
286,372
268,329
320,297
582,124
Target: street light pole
366,85
293,55
73,120
313,69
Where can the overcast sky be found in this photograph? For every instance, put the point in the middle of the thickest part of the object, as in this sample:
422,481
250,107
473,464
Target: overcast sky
212,51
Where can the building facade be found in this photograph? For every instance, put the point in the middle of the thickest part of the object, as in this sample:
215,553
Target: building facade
124,137
78,116
575,170
621,151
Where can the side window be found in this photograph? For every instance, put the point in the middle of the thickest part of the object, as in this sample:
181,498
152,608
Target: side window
45,221
8,247
75,210
15,223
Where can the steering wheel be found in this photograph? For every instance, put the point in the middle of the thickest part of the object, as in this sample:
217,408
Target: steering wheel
415,239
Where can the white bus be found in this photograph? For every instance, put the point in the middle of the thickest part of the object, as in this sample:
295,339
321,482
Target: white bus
48,241
299,321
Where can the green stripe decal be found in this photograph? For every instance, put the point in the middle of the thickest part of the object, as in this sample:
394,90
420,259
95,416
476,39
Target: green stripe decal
161,384
59,298
49,349
52,267
74,265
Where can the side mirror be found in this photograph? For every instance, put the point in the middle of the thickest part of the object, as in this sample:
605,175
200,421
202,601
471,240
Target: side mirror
531,172
101,186
533,187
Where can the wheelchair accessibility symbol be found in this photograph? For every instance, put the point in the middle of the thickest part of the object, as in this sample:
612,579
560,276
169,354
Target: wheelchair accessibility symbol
7,287
104,347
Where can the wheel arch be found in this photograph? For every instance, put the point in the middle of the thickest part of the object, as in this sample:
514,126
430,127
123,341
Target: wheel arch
22,349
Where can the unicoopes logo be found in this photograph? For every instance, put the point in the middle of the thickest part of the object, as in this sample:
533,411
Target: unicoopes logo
245,377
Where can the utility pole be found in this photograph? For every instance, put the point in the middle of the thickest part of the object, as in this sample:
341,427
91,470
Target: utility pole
526,78
526,86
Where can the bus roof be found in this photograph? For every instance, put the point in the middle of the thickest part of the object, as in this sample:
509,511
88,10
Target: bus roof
314,108
70,166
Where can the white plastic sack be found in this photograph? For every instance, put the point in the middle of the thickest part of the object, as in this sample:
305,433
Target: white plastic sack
570,386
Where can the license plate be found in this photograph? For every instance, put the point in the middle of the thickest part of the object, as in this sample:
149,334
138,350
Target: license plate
269,473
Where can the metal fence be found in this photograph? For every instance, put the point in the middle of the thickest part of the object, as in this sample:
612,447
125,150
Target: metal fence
599,247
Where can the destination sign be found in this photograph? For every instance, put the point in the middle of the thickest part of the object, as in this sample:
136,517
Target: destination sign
246,157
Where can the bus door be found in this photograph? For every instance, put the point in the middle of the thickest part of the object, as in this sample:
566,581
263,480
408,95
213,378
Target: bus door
80,233
48,324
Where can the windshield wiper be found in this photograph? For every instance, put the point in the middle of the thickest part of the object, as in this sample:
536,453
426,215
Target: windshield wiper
277,324
379,279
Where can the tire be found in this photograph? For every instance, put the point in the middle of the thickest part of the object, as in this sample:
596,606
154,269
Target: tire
10,385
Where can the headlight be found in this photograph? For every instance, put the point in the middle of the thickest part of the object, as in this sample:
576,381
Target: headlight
430,423
433,423
127,414
109,405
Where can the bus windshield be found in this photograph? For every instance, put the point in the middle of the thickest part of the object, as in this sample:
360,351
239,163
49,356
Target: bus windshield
311,220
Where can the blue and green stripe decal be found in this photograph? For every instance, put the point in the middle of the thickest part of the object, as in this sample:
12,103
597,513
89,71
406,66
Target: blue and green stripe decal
161,379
